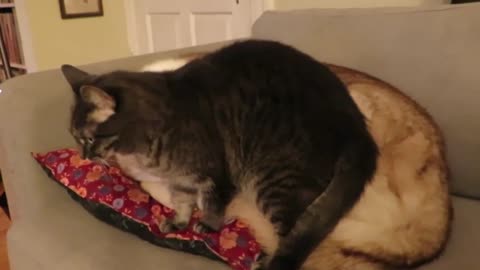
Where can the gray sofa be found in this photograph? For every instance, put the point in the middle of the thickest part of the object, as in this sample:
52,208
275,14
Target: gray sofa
433,54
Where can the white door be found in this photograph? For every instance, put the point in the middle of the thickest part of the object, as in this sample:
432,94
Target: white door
158,25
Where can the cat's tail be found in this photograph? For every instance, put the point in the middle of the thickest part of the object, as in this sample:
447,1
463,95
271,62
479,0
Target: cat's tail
403,219
354,168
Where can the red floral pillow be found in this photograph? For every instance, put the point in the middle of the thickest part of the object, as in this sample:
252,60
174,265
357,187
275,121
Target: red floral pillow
111,196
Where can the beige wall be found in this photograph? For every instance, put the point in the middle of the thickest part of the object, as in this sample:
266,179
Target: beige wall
76,41
297,4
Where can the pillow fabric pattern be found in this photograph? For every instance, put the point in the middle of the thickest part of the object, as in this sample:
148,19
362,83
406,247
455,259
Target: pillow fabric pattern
117,200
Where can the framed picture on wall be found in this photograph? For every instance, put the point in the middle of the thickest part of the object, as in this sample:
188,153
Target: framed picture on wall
70,9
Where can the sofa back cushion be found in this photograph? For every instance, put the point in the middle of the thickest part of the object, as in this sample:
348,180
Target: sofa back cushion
432,54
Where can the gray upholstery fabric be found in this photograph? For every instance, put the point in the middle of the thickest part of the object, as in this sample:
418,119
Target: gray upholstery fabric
432,55
429,54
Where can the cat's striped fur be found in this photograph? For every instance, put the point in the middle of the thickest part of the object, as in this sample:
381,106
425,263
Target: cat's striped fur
404,216
256,118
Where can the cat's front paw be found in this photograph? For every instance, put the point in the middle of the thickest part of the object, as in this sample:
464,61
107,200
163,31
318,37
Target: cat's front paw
203,228
211,222
169,227
257,266
172,225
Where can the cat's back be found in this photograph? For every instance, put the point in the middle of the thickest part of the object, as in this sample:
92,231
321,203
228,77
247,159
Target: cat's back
269,72
261,59
255,51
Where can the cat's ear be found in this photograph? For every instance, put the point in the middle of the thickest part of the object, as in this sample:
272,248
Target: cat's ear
74,76
96,96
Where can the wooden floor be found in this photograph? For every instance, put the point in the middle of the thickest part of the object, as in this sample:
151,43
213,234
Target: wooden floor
4,224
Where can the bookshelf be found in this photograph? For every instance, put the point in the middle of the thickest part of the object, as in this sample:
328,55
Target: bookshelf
11,60
12,46
6,5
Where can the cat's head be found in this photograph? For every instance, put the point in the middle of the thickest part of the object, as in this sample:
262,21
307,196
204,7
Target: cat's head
109,110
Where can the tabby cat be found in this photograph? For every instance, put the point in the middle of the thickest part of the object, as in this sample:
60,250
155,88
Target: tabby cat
255,119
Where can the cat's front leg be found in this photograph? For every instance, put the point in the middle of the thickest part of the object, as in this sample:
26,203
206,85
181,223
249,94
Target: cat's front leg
212,202
183,203
159,191
210,222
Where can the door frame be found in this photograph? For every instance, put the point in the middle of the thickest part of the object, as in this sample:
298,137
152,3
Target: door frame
257,8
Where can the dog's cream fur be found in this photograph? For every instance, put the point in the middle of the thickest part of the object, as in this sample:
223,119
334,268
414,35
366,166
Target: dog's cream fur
403,217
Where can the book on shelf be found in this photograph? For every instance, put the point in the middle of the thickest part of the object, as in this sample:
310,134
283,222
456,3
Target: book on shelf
15,72
6,1
10,36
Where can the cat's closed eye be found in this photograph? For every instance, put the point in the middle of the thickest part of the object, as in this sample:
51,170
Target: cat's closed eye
84,141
